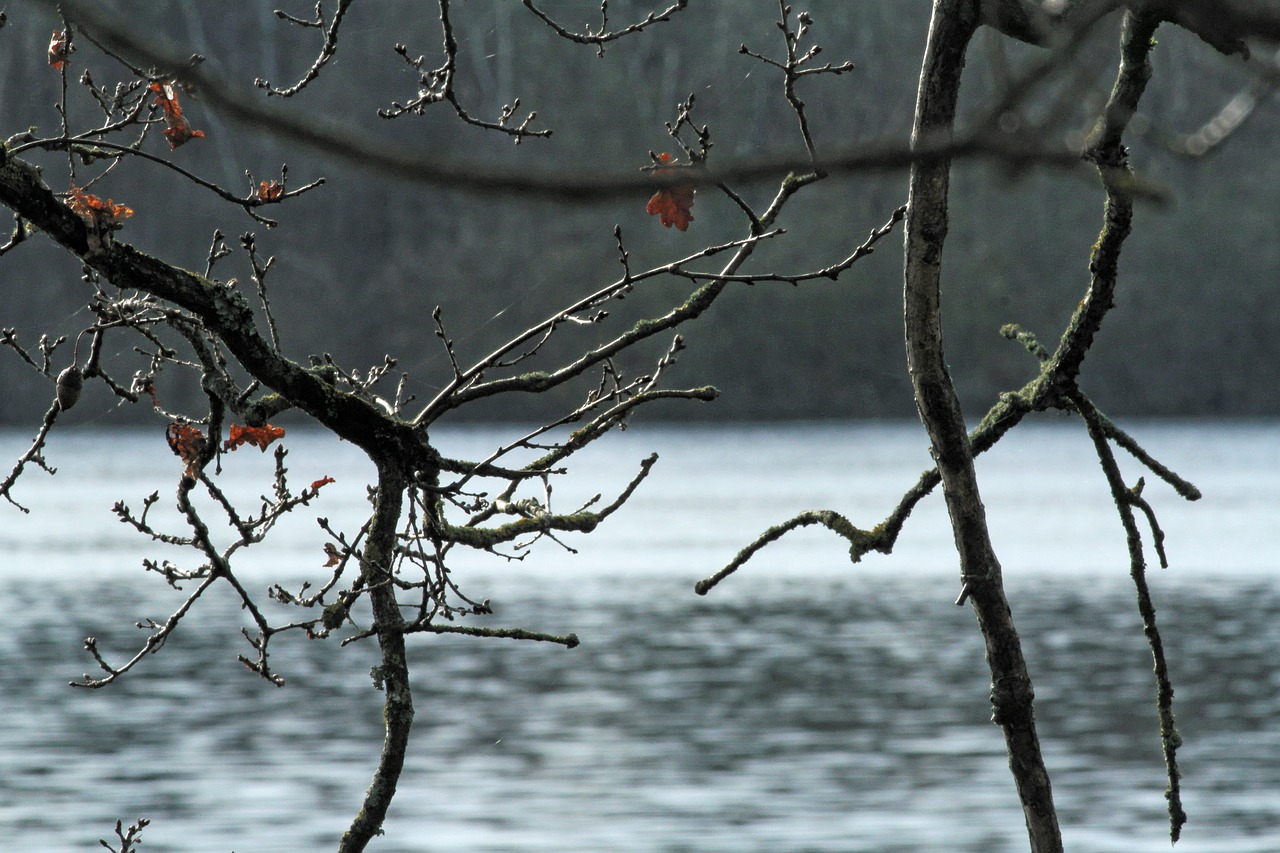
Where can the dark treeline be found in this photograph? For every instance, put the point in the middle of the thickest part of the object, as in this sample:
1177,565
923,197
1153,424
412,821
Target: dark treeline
363,261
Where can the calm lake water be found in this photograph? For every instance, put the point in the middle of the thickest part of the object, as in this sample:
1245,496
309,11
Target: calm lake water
807,704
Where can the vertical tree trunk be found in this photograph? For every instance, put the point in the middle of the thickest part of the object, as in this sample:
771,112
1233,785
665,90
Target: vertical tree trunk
952,26
393,672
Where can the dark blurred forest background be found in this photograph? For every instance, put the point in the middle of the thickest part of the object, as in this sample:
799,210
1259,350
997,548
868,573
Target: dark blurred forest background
363,261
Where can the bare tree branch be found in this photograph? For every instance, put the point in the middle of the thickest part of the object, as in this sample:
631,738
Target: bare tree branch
603,35
431,169
328,48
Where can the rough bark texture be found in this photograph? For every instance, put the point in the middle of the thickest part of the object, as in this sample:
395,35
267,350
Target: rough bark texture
953,24
392,675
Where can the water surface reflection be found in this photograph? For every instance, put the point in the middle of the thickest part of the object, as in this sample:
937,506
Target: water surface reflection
805,706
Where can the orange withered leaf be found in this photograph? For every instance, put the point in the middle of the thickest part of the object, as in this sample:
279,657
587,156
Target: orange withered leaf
269,190
334,555
103,215
673,205
60,48
259,437
185,440
179,133
178,129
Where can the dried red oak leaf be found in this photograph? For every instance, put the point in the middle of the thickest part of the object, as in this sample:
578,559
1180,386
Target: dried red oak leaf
259,437
101,214
186,441
269,190
178,129
179,134
60,48
149,388
673,205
